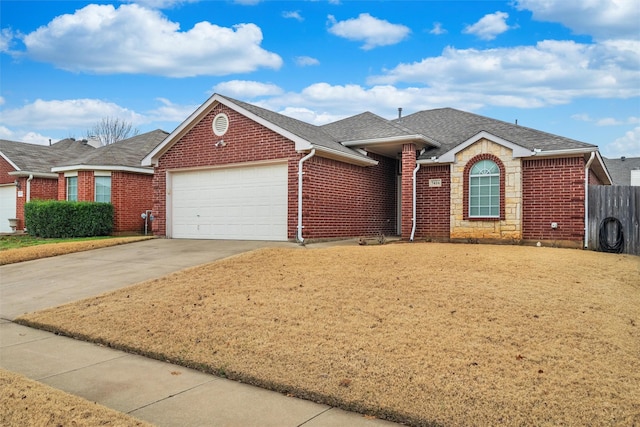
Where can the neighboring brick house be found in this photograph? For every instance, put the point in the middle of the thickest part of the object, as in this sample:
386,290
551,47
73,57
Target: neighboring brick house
233,170
25,174
74,170
624,171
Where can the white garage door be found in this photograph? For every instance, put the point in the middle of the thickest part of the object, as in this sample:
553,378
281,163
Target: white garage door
243,203
7,206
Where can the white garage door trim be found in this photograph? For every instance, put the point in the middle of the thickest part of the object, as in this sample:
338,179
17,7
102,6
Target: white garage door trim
244,202
7,206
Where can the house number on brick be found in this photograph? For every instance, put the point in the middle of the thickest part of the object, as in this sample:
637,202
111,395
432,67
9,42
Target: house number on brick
435,182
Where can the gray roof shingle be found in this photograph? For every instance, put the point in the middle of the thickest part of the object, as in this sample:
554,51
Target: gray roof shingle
620,170
365,126
41,158
312,133
451,127
128,152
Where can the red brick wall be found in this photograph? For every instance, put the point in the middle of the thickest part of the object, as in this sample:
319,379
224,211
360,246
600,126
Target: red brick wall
41,189
246,141
86,186
593,178
337,197
408,165
553,191
433,203
342,200
131,195
5,168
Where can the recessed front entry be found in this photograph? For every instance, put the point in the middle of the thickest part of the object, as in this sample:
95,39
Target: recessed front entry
238,203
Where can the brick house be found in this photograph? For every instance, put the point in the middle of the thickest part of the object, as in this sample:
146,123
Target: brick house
75,170
233,170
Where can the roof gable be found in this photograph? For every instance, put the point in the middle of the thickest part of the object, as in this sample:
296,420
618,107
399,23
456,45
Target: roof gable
304,135
127,153
452,127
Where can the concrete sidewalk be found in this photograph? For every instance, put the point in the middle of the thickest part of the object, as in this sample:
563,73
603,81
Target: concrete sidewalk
160,393
157,392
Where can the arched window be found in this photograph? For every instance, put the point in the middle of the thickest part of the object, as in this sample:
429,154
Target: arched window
484,190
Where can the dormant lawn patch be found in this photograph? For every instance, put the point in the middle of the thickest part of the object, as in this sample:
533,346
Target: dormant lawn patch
24,402
29,253
420,333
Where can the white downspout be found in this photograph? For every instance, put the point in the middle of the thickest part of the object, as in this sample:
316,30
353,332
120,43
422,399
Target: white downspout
413,220
29,187
300,173
586,199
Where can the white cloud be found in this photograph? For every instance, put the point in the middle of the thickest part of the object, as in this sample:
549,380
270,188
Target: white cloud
437,29
610,121
606,121
627,145
293,15
30,137
489,26
1,100
169,112
305,61
133,39
321,103
549,73
6,37
603,19
372,31
247,2
246,89
66,114
162,4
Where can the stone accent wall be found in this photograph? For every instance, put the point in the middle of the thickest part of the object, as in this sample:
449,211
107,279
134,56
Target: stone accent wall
509,225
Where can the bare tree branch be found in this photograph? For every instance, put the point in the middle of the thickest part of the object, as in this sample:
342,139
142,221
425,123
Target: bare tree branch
111,129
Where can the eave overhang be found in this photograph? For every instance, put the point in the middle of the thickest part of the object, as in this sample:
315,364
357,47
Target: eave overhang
152,158
112,168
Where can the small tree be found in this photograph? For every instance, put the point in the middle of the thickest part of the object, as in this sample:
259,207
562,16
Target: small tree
111,129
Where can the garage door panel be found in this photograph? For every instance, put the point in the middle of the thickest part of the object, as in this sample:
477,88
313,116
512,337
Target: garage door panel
247,203
7,207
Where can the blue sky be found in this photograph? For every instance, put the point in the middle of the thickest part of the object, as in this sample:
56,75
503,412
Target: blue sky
570,68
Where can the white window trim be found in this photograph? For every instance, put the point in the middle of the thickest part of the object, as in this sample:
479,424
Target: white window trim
471,176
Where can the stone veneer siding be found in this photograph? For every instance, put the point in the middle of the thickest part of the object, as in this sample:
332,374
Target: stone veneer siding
509,225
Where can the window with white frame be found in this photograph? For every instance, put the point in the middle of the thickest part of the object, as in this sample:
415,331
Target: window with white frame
72,188
103,189
484,190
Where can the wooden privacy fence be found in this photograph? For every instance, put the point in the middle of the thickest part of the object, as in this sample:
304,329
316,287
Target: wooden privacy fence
614,218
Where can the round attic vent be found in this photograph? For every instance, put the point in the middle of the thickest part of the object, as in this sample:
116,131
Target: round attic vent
220,124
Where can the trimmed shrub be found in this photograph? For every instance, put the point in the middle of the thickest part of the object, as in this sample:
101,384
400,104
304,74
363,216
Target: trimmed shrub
63,219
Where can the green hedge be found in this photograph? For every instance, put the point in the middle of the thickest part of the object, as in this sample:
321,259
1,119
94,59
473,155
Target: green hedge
53,218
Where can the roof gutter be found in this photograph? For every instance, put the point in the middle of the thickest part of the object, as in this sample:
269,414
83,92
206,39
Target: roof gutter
586,198
132,169
550,153
300,174
391,140
354,159
34,174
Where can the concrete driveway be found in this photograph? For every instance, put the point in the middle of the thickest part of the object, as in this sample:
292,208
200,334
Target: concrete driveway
31,286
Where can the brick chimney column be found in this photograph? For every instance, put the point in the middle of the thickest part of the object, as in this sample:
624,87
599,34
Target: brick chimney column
408,165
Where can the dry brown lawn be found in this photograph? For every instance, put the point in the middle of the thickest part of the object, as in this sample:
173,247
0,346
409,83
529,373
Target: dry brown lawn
24,402
54,249
422,333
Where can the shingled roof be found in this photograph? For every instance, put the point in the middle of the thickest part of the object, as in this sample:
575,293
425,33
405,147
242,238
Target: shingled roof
312,133
451,127
620,169
34,158
128,152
